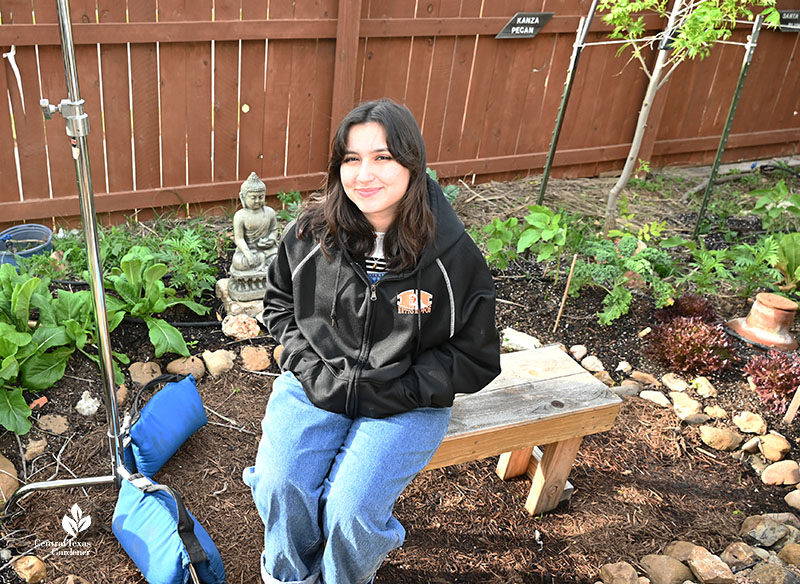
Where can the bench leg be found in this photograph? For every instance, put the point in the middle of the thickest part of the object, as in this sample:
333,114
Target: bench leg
514,464
551,474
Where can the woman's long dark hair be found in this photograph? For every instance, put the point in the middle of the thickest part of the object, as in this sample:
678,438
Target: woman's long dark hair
335,221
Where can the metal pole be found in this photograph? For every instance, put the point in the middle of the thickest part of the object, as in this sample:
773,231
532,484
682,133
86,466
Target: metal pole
580,40
748,56
77,122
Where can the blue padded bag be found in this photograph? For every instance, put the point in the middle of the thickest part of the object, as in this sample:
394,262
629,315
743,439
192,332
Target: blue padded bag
164,540
159,428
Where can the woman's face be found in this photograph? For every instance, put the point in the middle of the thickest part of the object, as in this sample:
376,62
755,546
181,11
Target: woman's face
372,179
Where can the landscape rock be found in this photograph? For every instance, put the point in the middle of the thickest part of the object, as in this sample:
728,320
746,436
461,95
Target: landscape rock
35,448
8,478
645,379
142,372
619,573
122,394
792,537
761,531
626,390
656,397
679,549
592,363
685,407
708,568
785,518
715,412
255,358
644,332
605,377
187,366
704,387
240,327
578,352
218,362
88,404
514,340
784,472
766,573
774,447
751,446
54,423
792,499
790,554
720,438
663,569
738,555
276,353
750,423
674,383
31,569
624,367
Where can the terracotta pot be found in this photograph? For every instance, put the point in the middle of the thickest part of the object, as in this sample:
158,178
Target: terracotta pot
768,323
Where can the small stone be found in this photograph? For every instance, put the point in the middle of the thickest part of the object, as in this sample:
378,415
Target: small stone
715,412
644,332
8,478
763,555
793,536
663,569
619,573
53,423
35,448
514,340
605,377
631,383
792,499
720,438
5,554
88,405
785,518
708,568
122,394
751,446
142,372
187,366
761,531
656,397
766,573
240,327
790,554
624,367
784,472
276,353
645,379
31,569
592,363
758,464
71,579
626,390
644,580
774,447
703,387
674,383
218,362
685,407
680,550
750,423
255,358
739,556
578,352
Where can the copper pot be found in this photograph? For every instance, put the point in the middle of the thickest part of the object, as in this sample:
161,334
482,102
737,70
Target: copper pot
768,323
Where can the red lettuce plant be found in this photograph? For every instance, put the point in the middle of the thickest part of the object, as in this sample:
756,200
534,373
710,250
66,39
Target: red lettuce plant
775,377
690,345
688,305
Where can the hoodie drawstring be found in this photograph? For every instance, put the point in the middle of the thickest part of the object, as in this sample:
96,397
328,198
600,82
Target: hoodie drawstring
419,313
336,293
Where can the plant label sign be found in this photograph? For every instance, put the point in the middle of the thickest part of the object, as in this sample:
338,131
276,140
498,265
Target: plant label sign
525,25
790,20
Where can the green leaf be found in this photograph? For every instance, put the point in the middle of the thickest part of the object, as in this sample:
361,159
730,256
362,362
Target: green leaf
165,337
527,239
41,371
21,299
494,245
47,337
14,411
9,368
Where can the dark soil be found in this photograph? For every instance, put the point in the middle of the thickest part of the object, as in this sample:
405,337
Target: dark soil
639,486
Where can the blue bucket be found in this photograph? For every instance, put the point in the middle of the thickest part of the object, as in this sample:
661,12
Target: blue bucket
24,241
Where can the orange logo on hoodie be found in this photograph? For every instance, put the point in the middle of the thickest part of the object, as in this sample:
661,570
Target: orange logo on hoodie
409,303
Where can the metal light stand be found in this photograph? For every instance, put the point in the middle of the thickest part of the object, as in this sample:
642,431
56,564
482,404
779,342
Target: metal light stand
580,40
78,129
748,56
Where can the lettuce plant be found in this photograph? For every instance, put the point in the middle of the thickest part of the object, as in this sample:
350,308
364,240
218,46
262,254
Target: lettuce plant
688,305
775,377
689,345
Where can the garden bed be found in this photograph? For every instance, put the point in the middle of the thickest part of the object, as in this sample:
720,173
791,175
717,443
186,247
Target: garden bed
637,487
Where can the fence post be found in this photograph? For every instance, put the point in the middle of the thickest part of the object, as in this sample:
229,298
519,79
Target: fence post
344,69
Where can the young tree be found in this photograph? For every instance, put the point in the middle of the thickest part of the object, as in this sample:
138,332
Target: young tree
693,26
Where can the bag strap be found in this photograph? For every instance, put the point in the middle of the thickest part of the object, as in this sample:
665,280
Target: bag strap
185,523
165,378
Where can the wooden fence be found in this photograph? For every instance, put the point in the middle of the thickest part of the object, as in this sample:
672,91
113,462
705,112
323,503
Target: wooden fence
187,97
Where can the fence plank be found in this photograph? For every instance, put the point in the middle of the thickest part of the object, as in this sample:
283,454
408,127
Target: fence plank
198,98
9,186
172,86
226,98
253,113
279,75
322,125
348,49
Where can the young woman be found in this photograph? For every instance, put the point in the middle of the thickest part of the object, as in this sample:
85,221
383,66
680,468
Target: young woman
385,308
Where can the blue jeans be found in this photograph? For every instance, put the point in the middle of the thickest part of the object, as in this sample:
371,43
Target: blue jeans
325,485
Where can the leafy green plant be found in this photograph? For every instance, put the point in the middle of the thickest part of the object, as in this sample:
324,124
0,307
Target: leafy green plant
775,377
291,204
788,263
451,192
543,234
778,207
185,251
501,239
142,294
707,269
690,345
755,265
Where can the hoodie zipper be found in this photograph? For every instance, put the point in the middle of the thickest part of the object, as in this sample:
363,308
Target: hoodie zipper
352,398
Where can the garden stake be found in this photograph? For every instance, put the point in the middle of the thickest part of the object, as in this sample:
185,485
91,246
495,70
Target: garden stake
580,39
566,291
792,411
77,127
752,40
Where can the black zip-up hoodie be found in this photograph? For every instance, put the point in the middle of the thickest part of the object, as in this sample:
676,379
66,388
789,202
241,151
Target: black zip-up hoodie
411,340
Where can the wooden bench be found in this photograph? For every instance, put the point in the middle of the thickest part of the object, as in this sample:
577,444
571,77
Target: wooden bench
541,398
